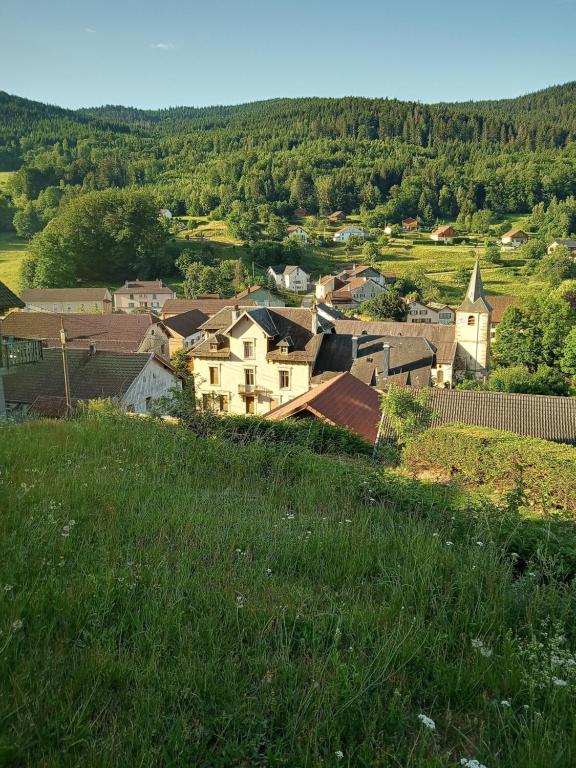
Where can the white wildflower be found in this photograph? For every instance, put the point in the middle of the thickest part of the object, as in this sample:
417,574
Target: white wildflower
470,762
481,648
427,722
239,601
505,703
16,625
559,682
480,543
7,587
339,754
269,571
449,543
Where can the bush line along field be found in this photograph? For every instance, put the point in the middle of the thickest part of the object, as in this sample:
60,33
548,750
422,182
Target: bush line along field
310,611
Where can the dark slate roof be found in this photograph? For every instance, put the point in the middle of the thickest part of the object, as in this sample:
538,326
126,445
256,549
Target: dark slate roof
335,314
568,242
9,300
120,333
279,323
441,336
187,323
542,416
101,374
411,359
344,401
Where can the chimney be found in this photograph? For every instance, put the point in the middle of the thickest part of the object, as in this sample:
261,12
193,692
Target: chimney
315,325
92,348
354,348
386,360
235,312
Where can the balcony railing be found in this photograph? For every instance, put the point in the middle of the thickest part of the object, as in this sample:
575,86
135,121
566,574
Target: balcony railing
252,389
19,352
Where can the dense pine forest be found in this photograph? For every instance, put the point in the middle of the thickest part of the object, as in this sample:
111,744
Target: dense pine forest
434,161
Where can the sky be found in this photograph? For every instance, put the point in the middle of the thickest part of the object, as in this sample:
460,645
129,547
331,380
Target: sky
152,54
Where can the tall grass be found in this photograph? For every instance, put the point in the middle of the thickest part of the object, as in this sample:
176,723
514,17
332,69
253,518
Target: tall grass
167,600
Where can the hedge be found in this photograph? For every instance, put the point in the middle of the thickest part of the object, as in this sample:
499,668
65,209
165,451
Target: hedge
541,472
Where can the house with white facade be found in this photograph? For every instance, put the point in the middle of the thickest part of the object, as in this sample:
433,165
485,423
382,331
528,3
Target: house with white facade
445,234
354,292
252,360
142,296
432,312
514,238
290,277
344,234
298,233
566,243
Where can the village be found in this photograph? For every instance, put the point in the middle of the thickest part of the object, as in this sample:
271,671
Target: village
252,354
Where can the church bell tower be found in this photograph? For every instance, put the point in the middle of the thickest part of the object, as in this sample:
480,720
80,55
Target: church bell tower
473,327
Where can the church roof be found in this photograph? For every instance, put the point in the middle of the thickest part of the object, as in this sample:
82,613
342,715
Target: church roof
475,300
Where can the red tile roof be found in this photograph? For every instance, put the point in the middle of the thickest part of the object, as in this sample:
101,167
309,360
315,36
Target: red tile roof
499,305
344,401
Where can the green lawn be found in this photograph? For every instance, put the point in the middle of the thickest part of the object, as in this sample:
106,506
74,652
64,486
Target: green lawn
4,177
12,251
189,602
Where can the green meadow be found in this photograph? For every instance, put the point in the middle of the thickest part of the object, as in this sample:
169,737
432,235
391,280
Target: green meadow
170,600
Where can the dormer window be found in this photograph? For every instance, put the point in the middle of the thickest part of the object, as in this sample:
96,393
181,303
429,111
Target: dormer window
284,348
214,346
471,320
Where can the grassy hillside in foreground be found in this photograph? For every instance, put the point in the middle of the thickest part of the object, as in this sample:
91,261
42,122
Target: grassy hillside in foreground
170,601
12,251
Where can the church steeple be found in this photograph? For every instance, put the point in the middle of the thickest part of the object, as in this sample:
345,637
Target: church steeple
475,300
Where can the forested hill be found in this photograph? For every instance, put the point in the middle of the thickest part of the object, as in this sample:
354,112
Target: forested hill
545,118
435,161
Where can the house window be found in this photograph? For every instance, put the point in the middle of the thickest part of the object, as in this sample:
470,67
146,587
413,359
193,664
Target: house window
214,376
445,315
213,346
131,295
205,402
249,377
154,296
55,307
284,379
223,403
148,402
250,405
439,377
471,320
131,304
248,350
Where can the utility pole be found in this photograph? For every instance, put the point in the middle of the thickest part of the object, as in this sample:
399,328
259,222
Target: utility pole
65,368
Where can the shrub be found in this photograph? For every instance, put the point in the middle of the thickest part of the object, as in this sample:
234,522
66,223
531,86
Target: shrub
542,472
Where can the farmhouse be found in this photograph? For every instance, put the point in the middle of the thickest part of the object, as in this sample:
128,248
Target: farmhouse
132,380
290,277
409,225
445,234
298,233
514,238
142,296
337,216
344,234
300,213
68,300
570,244
115,333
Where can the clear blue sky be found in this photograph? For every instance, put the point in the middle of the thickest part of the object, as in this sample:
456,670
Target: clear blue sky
149,53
